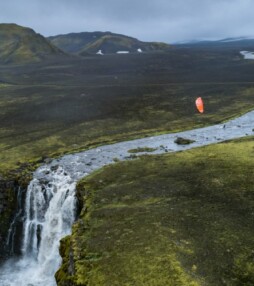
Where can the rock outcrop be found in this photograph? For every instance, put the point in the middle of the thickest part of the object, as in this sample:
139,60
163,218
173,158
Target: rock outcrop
7,209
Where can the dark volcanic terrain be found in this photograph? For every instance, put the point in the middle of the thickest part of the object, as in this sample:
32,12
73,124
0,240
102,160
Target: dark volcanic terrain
67,103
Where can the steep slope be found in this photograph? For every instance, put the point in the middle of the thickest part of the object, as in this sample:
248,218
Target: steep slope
107,42
19,44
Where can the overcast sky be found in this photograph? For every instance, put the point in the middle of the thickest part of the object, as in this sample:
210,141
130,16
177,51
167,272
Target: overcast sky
149,20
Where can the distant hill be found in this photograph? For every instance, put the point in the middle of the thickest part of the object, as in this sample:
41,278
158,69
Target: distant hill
21,45
241,43
106,42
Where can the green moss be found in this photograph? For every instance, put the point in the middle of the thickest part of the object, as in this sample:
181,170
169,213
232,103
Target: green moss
22,45
244,269
142,149
174,219
64,276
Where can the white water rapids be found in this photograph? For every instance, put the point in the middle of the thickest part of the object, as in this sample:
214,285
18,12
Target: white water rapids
49,214
50,199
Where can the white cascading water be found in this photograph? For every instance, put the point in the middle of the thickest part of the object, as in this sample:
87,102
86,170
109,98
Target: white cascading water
49,214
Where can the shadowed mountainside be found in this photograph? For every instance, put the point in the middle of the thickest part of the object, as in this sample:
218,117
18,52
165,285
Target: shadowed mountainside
21,45
107,42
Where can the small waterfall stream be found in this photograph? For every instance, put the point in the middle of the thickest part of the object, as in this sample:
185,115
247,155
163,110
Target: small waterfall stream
49,214
50,204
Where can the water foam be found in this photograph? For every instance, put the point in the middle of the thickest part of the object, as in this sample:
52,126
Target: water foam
49,215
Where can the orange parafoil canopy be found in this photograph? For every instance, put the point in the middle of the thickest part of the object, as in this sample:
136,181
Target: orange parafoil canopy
200,105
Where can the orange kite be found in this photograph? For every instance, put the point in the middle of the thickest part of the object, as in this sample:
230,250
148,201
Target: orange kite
200,105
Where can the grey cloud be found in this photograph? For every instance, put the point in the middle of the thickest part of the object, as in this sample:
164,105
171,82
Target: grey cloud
160,20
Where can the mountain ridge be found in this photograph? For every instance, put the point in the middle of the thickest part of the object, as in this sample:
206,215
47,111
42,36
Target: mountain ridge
106,42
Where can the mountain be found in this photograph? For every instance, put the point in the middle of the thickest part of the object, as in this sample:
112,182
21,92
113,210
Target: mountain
240,43
106,42
22,45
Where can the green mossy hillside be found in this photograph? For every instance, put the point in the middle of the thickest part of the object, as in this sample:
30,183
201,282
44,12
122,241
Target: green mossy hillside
22,45
175,219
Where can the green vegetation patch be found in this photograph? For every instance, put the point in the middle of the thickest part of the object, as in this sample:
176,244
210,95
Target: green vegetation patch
174,219
142,149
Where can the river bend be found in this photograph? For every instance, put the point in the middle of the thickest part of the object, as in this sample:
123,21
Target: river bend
50,200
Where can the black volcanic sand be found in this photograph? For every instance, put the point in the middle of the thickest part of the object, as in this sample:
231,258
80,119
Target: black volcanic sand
68,105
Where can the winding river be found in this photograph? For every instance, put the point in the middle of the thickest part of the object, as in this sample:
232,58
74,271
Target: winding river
50,204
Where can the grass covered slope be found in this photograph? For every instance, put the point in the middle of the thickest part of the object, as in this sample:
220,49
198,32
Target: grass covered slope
175,219
22,45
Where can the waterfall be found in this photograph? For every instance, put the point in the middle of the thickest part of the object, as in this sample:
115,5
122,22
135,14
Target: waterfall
50,208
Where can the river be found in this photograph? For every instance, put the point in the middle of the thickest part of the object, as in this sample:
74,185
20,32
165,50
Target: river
50,204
